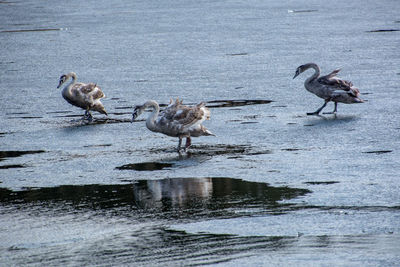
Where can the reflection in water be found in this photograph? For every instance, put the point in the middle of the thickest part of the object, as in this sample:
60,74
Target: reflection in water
204,197
169,193
89,224
129,224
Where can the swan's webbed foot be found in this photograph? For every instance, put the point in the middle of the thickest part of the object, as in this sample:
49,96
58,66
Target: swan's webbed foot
316,113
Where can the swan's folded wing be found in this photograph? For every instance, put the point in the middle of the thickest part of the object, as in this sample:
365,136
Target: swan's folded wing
335,83
93,90
191,116
172,109
88,90
329,76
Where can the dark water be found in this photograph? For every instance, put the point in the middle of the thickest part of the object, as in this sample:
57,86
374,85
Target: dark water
274,187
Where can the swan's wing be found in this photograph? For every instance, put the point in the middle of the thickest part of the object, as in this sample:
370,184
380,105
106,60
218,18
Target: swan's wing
335,83
90,90
93,90
171,110
352,92
330,75
190,117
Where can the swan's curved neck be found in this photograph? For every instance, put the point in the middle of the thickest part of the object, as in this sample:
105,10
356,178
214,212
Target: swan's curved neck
151,120
73,76
68,87
316,72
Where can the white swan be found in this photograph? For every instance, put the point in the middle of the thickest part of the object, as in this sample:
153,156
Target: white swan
85,96
329,88
176,120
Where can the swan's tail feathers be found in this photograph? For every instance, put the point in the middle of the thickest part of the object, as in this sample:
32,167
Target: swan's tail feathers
101,109
208,132
358,100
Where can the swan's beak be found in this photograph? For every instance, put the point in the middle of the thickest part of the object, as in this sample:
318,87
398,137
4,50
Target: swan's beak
297,74
60,83
134,115
136,112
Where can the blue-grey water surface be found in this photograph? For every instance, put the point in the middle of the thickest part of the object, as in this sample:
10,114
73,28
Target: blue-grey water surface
274,187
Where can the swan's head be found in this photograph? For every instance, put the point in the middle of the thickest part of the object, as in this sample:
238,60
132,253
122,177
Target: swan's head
136,112
299,70
62,80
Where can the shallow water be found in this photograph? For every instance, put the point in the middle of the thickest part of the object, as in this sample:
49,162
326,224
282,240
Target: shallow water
274,187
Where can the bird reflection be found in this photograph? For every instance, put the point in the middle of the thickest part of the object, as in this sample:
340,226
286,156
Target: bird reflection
177,192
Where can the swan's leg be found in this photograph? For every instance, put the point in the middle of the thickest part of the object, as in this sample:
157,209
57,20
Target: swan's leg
334,110
318,110
188,142
179,144
88,115
85,116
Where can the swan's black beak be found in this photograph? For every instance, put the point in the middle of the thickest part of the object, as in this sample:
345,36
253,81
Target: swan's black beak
63,78
298,71
134,115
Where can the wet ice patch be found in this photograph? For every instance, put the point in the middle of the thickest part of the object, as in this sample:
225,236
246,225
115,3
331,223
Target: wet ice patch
32,30
12,166
321,182
146,166
230,150
301,223
206,197
302,10
17,153
378,152
384,30
236,103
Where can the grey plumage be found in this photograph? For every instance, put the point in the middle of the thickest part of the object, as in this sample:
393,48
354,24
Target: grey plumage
177,120
85,96
329,87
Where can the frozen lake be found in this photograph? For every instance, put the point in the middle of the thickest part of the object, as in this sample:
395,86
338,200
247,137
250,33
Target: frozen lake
274,187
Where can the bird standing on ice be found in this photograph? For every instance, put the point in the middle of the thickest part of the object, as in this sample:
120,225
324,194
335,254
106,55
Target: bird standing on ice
329,88
85,96
176,120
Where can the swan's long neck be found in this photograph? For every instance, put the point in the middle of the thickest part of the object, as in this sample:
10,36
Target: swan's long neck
316,72
68,87
151,120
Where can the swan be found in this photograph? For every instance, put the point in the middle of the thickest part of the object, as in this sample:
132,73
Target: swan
176,120
329,88
85,96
